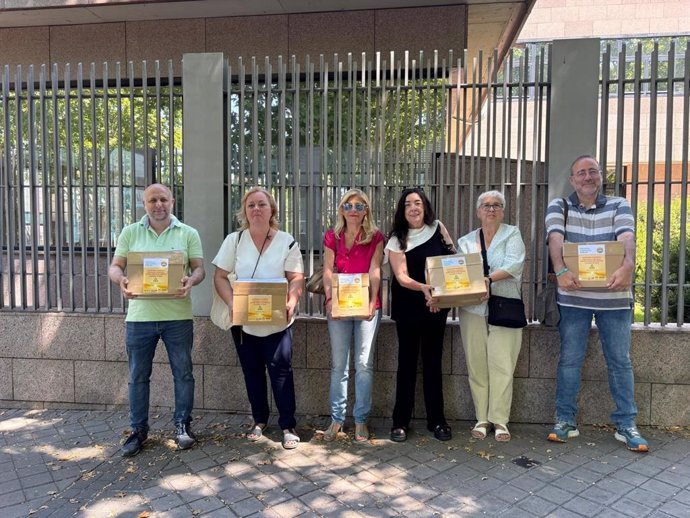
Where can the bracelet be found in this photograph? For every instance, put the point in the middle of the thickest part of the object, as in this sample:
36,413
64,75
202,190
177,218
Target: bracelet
558,274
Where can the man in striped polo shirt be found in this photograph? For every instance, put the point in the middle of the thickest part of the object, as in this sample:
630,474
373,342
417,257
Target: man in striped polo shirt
592,216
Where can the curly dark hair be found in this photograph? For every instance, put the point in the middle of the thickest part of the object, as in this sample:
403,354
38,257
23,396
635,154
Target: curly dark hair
400,225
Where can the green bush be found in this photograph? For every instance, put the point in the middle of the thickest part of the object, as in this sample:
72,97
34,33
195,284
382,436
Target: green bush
675,261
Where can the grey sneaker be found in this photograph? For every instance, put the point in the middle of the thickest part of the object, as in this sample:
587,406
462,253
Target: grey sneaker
185,438
632,439
133,444
563,431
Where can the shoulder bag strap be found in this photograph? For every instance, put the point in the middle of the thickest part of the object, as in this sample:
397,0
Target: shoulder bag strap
485,260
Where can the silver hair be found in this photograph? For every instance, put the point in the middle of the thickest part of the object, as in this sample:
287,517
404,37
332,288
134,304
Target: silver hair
491,194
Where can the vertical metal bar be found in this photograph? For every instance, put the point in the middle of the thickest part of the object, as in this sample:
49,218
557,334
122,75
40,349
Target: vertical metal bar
325,166
58,187
620,119
534,194
282,149
668,170
637,89
96,219
604,89
84,216
229,172
338,130
445,113
473,154
242,99
159,125
351,157
296,132
478,126
255,121
69,186
682,241
107,177
133,142
650,178
4,188
309,67
456,156
150,176
45,170
19,189
34,213
522,133
267,126
172,156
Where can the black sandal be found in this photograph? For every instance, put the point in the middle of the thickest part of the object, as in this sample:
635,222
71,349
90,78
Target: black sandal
399,434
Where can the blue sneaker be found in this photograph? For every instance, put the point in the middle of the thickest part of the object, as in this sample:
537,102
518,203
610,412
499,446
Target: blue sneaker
563,431
632,439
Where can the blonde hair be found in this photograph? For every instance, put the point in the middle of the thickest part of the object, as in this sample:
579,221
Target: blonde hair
242,212
369,228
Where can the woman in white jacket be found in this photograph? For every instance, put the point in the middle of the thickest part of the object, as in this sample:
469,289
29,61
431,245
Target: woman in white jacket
492,351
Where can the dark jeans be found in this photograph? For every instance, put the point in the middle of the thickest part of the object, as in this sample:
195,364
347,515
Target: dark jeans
142,339
426,334
273,353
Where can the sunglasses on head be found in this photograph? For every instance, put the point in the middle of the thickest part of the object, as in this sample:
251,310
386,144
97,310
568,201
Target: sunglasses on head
359,207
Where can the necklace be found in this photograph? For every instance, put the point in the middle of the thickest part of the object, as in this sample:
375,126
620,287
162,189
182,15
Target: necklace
268,236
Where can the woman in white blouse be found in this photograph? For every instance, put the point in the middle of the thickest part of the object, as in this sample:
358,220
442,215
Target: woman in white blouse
492,351
261,251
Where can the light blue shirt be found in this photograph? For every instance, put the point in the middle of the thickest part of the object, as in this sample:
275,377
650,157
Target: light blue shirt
506,252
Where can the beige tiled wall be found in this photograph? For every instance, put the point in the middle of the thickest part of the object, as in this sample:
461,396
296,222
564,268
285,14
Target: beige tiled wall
60,373
557,19
428,29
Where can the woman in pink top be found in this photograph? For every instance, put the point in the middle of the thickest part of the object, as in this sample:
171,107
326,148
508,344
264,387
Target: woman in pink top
354,245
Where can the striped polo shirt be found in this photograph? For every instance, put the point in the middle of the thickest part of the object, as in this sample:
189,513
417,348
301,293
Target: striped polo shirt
607,219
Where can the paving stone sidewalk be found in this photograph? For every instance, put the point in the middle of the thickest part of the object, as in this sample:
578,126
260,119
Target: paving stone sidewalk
61,463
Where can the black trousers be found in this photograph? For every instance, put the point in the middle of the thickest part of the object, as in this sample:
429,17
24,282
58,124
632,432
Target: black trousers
427,335
272,353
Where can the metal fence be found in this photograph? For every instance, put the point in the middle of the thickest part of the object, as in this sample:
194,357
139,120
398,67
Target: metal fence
75,156
76,152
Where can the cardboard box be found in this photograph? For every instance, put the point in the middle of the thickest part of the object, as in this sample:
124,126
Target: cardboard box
458,280
155,275
593,263
350,295
259,302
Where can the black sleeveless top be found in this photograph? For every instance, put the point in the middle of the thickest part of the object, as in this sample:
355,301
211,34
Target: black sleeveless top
410,304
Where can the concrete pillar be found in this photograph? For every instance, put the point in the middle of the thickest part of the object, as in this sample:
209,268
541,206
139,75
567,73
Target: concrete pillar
574,107
203,148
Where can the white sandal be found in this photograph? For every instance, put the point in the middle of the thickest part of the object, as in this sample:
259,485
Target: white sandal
480,430
501,433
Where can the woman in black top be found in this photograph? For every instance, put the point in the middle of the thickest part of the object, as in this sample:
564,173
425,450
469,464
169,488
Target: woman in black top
416,235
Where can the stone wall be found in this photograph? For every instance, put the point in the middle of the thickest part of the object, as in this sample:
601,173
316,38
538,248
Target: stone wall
78,361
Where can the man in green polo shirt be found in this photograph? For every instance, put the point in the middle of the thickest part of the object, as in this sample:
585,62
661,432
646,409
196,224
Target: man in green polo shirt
150,320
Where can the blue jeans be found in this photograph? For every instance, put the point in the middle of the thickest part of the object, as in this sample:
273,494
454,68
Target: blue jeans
614,334
142,339
342,332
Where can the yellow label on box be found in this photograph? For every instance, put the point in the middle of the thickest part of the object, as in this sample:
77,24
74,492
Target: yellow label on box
350,291
155,278
259,308
591,262
455,273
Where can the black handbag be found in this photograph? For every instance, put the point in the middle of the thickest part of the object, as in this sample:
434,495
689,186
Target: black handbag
503,311
506,312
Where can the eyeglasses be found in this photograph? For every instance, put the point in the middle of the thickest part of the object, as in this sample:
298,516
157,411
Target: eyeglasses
491,206
359,207
586,172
